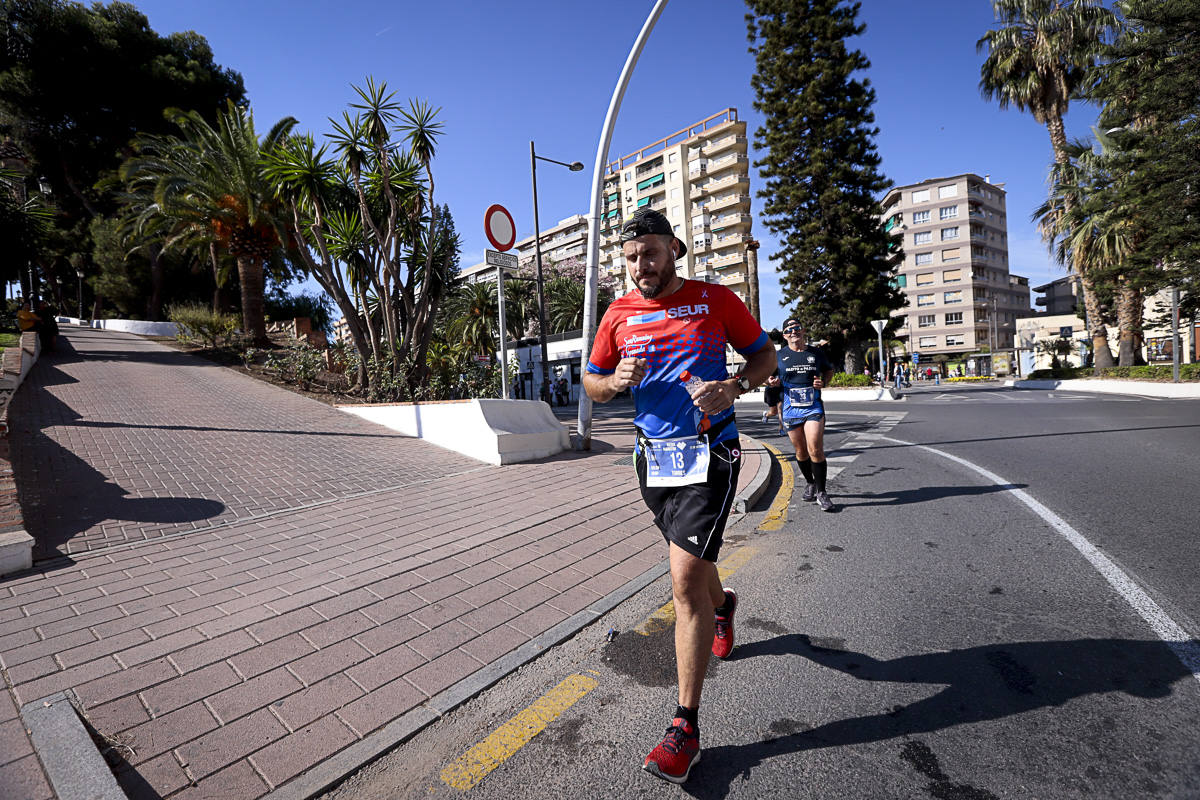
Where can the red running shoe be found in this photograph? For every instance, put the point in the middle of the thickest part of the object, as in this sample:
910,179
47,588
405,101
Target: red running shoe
723,636
675,755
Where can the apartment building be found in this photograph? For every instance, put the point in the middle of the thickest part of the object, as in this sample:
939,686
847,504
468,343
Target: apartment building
955,273
699,178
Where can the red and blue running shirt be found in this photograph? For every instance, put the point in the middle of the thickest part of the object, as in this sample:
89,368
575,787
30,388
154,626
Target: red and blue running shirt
685,331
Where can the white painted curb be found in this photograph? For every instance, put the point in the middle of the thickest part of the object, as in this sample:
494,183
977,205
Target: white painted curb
1110,386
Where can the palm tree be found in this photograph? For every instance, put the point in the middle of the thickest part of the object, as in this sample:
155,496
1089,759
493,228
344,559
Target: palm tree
1037,61
1090,230
212,179
474,317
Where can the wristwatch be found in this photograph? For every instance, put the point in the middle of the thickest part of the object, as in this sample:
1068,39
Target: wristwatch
743,383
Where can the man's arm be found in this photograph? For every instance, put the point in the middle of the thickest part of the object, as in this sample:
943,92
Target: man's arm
602,388
713,397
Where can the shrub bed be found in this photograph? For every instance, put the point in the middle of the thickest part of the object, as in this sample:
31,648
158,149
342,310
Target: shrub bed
846,379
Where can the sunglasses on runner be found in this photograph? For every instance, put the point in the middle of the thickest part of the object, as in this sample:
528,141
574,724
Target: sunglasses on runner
793,329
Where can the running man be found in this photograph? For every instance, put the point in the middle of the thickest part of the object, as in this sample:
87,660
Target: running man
666,341
805,370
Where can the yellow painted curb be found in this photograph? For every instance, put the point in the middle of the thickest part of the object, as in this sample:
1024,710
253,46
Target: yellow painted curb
777,513
474,765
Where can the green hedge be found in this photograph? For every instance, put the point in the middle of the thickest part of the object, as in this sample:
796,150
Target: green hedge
1155,372
846,379
1060,374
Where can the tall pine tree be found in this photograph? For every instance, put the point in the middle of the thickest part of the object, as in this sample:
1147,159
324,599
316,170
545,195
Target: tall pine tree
821,170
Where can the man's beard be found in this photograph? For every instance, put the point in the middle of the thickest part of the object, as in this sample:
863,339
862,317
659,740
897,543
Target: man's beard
654,291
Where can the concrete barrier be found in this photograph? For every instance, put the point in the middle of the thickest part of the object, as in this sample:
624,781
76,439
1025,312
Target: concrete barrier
493,431
140,327
16,545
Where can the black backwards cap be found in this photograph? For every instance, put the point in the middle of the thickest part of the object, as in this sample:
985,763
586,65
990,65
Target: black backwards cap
645,221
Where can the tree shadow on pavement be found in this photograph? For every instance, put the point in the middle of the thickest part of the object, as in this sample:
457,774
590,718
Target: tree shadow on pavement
925,494
62,495
982,683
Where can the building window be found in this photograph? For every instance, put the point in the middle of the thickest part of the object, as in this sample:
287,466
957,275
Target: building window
956,341
924,258
952,297
948,191
922,237
920,196
948,212
628,176
671,158
928,341
950,254
675,193
920,217
924,278
924,299
926,320
954,318
951,275
949,233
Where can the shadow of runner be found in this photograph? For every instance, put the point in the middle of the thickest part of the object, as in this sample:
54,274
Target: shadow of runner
925,494
61,495
982,683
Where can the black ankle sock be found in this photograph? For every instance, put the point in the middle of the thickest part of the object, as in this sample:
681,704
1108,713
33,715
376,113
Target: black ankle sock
820,469
690,714
806,467
724,607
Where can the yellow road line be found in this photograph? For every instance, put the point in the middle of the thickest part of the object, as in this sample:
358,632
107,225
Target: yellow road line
665,616
474,765
777,513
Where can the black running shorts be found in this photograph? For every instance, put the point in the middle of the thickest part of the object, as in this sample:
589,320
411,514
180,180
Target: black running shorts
694,516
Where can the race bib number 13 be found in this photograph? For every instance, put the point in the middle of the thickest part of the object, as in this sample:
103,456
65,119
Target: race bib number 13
676,462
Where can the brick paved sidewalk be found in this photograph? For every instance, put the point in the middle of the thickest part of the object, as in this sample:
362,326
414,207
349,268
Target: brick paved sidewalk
258,582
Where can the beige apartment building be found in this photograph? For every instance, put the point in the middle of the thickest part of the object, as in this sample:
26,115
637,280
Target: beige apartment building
955,272
699,177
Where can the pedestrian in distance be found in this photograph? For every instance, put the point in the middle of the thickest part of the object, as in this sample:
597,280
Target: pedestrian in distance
665,341
773,397
805,370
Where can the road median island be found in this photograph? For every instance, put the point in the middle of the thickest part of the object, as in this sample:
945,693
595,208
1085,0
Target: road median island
1189,390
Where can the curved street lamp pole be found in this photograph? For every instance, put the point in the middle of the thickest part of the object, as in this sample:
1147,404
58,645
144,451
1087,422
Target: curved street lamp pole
592,277
574,166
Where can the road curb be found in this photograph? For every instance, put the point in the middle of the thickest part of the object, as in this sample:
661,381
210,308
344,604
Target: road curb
747,497
332,771
69,757
1177,391
324,776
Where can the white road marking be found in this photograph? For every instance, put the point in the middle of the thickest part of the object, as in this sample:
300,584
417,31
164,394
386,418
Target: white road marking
1183,645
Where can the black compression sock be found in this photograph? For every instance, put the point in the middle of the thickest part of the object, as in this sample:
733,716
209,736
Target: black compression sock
690,714
820,469
806,468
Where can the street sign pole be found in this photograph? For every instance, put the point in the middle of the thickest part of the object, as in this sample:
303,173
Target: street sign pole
503,335
879,325
502,261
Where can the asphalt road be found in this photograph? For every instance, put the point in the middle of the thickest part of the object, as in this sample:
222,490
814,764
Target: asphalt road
933,638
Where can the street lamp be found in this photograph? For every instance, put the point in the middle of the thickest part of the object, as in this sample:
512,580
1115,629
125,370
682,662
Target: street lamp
574,166
79,274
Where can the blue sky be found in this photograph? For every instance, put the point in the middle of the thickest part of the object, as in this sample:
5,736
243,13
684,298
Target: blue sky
505,73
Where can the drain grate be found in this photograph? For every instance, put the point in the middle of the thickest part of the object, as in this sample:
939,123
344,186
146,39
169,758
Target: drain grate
624,461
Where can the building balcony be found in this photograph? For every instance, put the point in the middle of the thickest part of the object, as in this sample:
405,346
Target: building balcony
735,219
730,278
726,260
740,201
729,239
726,161
730,182
701,245
724,143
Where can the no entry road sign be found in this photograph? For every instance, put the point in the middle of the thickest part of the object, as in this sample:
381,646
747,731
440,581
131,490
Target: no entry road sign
499,227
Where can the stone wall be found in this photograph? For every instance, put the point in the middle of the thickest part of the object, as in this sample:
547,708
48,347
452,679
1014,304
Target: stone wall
16,546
